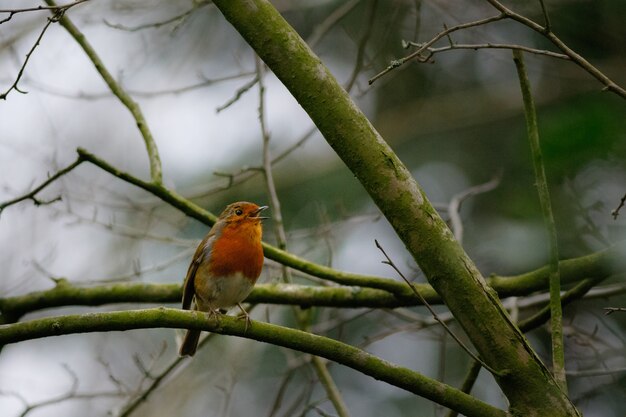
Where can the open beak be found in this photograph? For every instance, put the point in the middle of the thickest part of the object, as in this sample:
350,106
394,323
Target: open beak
258,211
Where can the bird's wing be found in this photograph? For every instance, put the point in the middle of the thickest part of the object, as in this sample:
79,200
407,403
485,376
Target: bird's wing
203,251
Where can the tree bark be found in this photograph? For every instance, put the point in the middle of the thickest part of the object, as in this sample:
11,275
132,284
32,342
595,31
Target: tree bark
528,385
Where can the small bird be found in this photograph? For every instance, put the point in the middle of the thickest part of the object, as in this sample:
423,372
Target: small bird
225,267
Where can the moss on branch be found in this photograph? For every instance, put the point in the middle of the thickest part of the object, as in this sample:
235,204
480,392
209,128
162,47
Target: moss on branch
593,267
269,333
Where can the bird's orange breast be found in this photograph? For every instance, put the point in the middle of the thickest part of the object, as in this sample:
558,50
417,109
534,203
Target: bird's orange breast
238,250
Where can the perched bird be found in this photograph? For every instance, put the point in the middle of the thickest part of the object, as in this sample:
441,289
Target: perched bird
225,267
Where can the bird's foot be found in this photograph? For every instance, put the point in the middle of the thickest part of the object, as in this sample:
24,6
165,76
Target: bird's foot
244,316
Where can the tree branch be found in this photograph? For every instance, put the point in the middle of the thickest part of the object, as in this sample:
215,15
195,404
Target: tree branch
401,200
596,266
153,152
556,314
281,336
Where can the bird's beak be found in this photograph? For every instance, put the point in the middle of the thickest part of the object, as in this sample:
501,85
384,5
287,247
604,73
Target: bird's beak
258,211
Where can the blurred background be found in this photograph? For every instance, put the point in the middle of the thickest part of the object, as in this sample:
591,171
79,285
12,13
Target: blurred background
456,122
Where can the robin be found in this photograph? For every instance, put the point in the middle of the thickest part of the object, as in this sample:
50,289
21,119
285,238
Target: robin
225,267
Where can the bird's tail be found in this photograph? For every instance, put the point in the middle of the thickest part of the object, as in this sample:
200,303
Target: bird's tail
190,343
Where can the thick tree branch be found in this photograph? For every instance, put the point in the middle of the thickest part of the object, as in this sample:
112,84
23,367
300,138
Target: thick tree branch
595,267
281,336
392,188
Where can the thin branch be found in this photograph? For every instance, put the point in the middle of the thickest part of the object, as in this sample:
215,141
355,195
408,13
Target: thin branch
615,212
432,51
556,313
156,25
240,92
546,16
322,372
71,394
611,310
53,19
426,45
32,195
468,383
247,173
609,85
454,207
61,8
506,13
434,314
327,381
595,372
360,54
278,335
151,147
339,13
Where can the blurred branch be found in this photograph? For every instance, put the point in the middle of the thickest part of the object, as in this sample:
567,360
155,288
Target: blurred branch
331,20
247,173
302,318
129,408
468,383
153,153
541,181
32,195
454,208
611,310
360,53
240,92
595,372
615,212
71,394
281,336
540,317
155,25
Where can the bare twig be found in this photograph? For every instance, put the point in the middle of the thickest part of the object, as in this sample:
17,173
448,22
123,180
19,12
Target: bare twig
434,314
611,310
32,195
506,13
452,46
155,25
339,13
360,54
72,394
59,8
546,16
615,212
247,173
53,19
609,84
455,204
426,45
240,92
595,372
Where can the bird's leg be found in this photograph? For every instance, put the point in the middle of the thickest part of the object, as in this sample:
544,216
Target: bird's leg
245,316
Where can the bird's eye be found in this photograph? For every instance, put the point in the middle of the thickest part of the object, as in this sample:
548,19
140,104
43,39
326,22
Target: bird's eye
239,212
